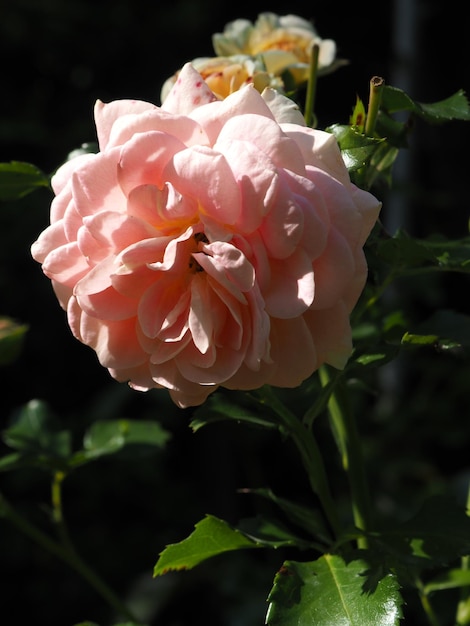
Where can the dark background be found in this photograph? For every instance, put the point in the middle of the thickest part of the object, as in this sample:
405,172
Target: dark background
57,59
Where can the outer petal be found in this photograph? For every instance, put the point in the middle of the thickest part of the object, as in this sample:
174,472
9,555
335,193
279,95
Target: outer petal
114,342
189,92
284,109
107,114
294,352
95,185
331,331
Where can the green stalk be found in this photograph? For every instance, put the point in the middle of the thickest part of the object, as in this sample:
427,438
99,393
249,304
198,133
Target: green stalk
348,441
426,604
310,455
312,87
462,617
376,86
57,512
67,556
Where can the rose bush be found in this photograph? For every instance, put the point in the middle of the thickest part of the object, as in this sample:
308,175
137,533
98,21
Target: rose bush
209,243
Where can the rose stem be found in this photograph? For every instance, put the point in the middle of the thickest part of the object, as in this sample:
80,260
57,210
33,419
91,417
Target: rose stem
312,87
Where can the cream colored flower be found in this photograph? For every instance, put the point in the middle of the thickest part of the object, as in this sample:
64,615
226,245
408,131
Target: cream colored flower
284,43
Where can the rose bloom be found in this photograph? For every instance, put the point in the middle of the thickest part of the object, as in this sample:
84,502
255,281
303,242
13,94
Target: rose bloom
209,243
224,75
284,42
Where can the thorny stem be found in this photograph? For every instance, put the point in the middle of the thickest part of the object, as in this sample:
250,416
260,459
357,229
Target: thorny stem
347,438
375,98
312,87
310,455
66,554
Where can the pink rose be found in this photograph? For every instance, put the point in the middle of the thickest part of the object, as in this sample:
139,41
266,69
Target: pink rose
209,242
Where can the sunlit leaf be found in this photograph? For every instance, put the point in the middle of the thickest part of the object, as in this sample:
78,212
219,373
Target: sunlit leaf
419,340
356,149
456,107
358,116
331,591
211,537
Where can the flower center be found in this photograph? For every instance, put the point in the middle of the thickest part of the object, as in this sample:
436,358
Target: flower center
199,238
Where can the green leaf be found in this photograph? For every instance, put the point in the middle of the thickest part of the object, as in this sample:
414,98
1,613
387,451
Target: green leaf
36,432
456,107
272,534
419,340
211,537
11,461
380,165
328,592
12,337
440,531
451,328
110,436
356,149
305,517
437,535
451,579
219,408
18,179
358,116
404,254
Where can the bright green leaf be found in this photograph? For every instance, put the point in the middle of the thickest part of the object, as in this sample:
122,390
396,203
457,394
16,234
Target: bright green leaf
456,107
211,537
356,148
329,592
17,179
358,116
419,340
